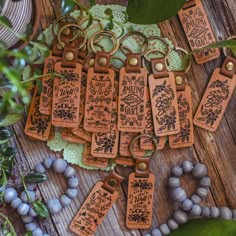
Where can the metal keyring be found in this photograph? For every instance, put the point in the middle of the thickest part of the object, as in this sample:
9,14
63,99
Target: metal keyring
224,48
185,52
143,136
116,43
163,41
94,19
61,19
134,33
148,60
68,26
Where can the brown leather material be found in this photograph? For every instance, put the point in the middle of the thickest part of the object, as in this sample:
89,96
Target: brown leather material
58,52
159,74
140,201
138,171
133,68
86,65
224,71
180,87
102,68
188,4
113,178
124,161
69,136
80,132
69,63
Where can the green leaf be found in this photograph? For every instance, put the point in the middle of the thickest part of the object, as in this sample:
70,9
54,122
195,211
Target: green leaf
91,2
5,135
152,11
90,20
67,6
10,119
206,227
29,233
41,209
4,21
35,178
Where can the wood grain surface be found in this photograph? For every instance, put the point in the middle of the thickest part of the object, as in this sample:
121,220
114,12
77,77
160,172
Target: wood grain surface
216,150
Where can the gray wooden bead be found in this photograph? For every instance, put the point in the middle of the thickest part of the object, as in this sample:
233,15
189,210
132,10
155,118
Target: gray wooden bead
173,225
47,163
27,219
23,209
174,182
206,211
69,172
177,171
9,194
64,200
59,165
39,168
54,205
71,192
24,197
164,229
16,202
199,171
32,212
37,232
180,217
178,194
215,212
46,235
73,182
187,166
30,187
196,199
156,232
234,214
187,205
205,182
30,226
196,210
226,213
202,192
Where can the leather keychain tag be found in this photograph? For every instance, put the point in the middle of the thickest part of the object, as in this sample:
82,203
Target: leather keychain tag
96,206
164,99
140,192
99,95
198,30
132,95
146,143
125,140
90,160
185,138
106,144
81,132
38,126
66,90
69,136
124,161
217,95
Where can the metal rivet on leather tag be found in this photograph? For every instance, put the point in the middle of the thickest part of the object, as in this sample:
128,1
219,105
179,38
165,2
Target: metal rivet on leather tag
69,56
91,62
178,80
112,182
66,31
133,61
159,67
230,66
142,166
102,61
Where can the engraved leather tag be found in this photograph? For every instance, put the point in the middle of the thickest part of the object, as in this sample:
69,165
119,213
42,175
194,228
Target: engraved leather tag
69,136
214,101
95,207
185,138
198,31
90,160
82,133
124,161
82,96
98,105
132,99
125,140
38,126
106,144
164,105
146,143
45,105
66,96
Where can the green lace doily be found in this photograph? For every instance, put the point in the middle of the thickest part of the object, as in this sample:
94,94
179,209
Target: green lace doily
73,152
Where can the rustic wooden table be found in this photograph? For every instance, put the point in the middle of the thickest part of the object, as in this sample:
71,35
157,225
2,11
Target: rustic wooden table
216,150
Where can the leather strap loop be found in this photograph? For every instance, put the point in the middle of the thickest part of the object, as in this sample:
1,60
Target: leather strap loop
229,67
112,182
159,68
102,62
188,4
142,167
133,63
